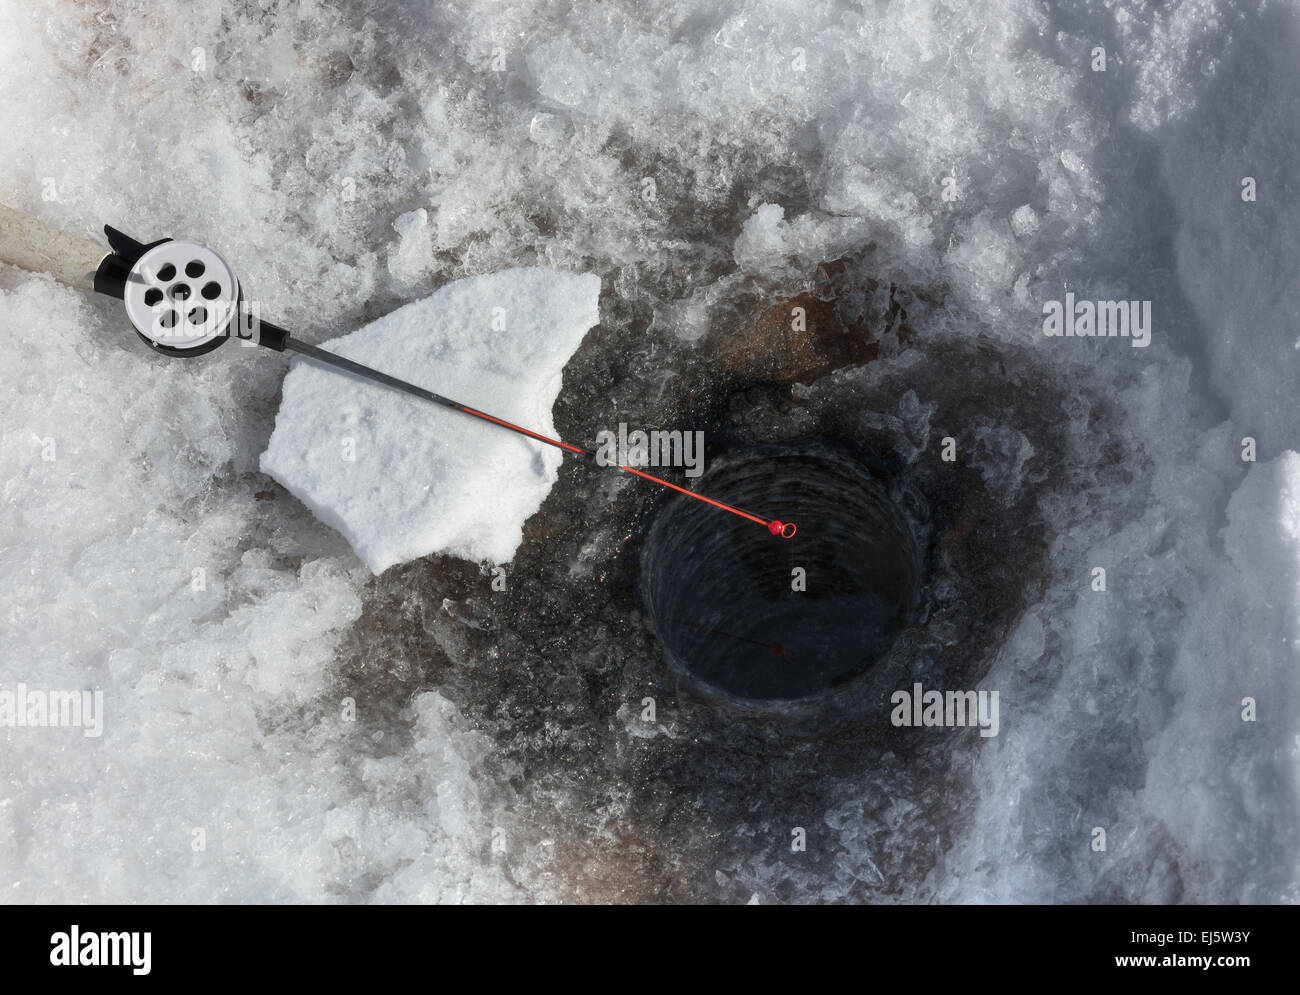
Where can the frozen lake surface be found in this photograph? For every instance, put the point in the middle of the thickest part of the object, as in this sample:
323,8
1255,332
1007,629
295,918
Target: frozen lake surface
279,724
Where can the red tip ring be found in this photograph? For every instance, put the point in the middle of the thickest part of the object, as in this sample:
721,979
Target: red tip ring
788,530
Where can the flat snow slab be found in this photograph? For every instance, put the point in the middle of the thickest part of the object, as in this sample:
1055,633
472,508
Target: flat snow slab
401,478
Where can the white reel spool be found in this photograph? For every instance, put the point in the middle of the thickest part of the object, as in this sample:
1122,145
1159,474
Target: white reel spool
182,297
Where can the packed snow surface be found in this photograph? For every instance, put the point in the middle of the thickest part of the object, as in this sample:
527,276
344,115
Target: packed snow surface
401,477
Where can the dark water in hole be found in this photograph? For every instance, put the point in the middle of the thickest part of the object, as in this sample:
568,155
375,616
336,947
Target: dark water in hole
719,589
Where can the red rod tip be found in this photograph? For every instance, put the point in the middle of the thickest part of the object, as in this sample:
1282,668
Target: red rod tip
783,529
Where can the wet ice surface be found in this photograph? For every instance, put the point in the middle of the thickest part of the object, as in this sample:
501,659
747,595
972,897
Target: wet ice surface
348,164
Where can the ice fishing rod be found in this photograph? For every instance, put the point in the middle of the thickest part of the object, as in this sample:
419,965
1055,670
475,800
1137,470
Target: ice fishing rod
184,300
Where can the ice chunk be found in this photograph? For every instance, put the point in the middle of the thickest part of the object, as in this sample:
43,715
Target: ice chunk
402,478
412,257
767,239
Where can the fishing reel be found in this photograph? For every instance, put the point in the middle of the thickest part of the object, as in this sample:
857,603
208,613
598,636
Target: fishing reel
181,297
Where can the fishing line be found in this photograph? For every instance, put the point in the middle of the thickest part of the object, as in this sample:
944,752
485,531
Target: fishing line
184,300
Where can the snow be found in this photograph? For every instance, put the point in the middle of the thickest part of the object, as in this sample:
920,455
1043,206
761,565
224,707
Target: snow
402,478
351,162
1212,775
